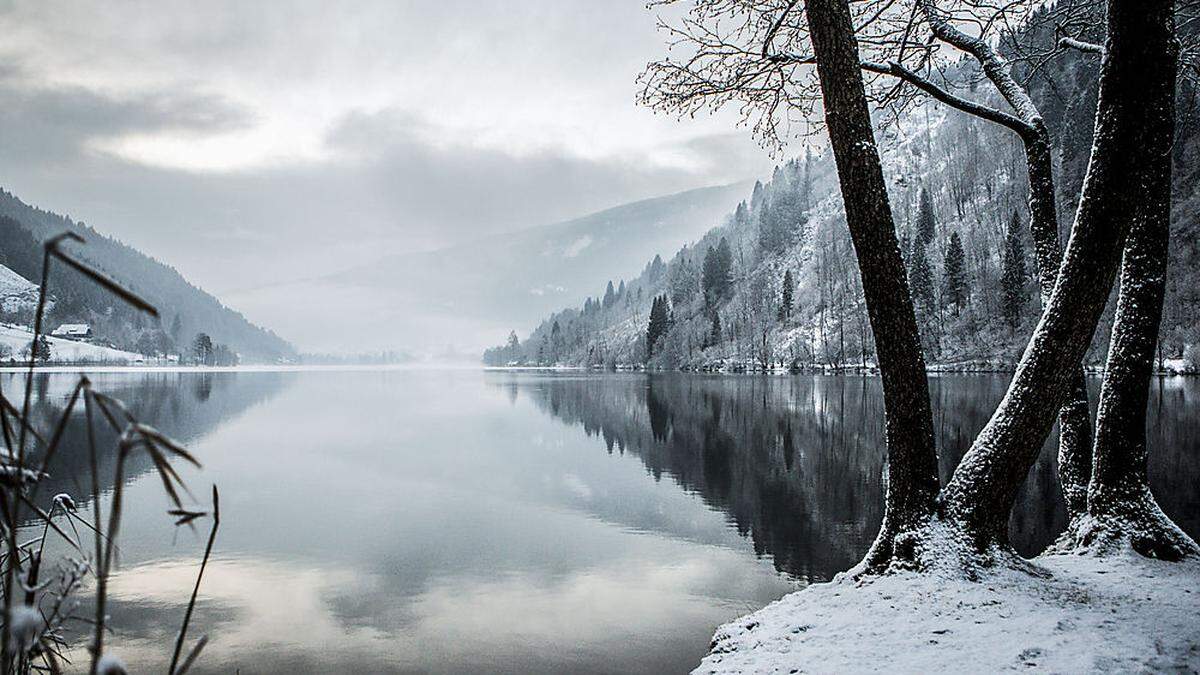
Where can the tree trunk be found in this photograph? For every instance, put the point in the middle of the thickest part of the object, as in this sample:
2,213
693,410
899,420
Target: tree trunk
912,460
1074,418
1121,509
980,495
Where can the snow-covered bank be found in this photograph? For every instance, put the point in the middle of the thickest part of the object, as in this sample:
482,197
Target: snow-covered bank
17,340
1127,614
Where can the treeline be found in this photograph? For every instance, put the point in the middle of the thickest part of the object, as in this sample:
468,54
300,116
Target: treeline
776,285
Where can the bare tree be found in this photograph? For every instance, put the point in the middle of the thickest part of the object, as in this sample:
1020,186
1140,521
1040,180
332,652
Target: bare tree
755,53
914,60
1133,80
1121,511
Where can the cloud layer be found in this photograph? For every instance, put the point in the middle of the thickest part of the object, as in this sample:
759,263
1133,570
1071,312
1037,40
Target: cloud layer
248,143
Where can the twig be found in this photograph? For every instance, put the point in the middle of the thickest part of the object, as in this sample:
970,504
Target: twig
187,616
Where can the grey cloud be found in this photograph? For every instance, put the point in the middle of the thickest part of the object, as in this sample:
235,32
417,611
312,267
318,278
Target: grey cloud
55,123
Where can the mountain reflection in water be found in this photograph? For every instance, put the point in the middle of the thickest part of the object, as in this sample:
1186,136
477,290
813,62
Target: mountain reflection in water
798,462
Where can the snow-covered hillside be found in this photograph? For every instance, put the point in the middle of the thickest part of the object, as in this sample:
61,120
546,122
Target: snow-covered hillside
14,341
787,294
16,292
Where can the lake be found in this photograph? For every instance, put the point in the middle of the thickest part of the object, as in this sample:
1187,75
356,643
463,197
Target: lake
488,521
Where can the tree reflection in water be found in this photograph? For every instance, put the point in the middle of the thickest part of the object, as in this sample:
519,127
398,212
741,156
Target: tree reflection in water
797,463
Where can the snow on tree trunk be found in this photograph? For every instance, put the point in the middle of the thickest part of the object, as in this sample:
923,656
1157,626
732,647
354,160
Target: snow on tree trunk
912,460
980,494
1121,509
1074,419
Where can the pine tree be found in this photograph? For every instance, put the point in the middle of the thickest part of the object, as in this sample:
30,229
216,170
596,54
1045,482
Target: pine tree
716,273
724,268
660,321
920,280
40,350
714,335
202,348
610,295
1012,276
926,224
785,301
514,347
954,280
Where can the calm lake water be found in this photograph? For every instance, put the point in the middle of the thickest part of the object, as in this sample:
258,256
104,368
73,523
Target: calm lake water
469,521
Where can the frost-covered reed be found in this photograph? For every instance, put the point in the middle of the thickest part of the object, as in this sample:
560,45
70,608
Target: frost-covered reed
41,604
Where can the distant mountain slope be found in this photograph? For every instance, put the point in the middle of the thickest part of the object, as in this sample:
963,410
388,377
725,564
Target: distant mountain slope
186,309
471,295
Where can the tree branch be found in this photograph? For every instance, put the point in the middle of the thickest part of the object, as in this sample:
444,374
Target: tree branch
994,65
1089,47
1020,126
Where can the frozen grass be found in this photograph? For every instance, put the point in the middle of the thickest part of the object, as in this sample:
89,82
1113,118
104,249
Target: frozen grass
1087,614
39,604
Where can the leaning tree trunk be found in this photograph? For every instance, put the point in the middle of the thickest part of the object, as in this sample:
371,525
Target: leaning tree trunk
912,459
980,495
1121,509
1074,418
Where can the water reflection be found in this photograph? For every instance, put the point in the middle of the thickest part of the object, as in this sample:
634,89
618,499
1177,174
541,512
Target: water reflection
401,521
797,462
185,406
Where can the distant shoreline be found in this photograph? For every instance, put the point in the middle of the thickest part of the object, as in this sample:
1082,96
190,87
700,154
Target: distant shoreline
366,367
262,368
1090,371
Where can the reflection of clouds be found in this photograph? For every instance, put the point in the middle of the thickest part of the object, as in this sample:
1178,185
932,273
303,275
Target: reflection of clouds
258,612
264,603
577,486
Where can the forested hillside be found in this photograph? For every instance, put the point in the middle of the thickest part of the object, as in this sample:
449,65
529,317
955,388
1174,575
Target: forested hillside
187,311
777,283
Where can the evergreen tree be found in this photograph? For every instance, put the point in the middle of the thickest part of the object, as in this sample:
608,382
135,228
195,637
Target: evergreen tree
555,341
716,274
40,350
655,269
714,335
610,295
920,280
683,281
954,281
1012,275
202,349
779,218
785,302
513,347
660,321
925,220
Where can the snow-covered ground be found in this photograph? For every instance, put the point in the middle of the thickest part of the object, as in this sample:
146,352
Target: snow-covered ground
1126,614
15,290
64,351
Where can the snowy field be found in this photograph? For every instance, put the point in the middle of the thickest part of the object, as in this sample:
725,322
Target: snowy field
64,351
1126,614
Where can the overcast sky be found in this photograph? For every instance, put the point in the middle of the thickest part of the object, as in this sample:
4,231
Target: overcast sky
251,142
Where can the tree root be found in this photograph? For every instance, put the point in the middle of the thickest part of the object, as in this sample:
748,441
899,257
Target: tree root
1136,524
941,547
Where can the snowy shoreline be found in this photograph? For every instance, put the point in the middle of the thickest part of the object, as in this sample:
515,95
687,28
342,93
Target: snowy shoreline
1119,614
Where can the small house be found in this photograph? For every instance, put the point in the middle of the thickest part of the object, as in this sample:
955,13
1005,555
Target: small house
73,331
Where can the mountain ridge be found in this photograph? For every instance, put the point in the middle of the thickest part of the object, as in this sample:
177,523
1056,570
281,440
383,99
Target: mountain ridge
185,307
